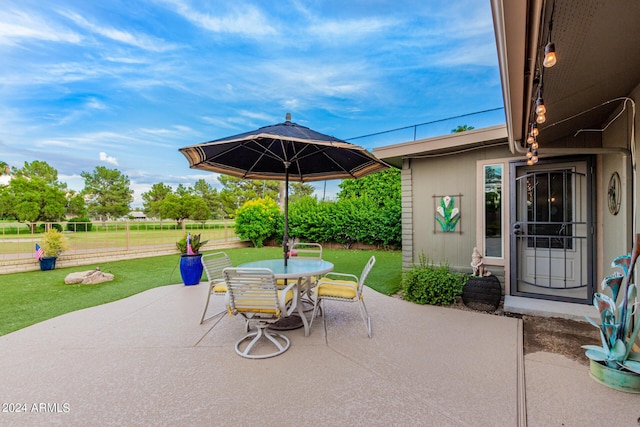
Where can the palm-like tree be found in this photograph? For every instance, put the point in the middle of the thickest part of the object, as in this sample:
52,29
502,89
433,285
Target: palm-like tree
462,128
4,168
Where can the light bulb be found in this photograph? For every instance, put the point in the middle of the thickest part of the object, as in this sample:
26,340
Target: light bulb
534,159
549,55
529,154
530,140
534,146
534,130
540,108
529,162
541,118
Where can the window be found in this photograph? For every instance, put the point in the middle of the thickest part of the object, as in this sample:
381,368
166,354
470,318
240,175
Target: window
493,218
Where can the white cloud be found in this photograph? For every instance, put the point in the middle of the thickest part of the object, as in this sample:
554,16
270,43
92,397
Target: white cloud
108,159
248,20
139,40
22,25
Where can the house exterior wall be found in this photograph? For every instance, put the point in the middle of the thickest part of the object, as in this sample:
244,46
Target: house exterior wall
453,174
614,232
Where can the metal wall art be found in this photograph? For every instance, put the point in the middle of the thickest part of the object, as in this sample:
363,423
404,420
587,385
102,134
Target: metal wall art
614,193
447,214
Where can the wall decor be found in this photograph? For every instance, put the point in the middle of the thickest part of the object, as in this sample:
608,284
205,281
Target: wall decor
447,215
614,193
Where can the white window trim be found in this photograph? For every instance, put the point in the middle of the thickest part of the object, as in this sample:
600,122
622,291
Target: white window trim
480,209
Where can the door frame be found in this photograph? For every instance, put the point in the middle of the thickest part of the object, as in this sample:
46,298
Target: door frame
591,229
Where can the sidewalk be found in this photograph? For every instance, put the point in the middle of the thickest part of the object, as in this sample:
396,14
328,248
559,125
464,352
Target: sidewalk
146,361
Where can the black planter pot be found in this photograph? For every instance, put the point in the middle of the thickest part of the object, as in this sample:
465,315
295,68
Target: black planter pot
48,263
191,269
482,293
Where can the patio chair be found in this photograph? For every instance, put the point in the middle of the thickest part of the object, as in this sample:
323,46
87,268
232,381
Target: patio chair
307,250
346,288
303,250
253,294
213,265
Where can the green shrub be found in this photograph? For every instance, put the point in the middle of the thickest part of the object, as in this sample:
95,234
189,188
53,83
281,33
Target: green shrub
42,227
429,284
79,224
346,221
258,220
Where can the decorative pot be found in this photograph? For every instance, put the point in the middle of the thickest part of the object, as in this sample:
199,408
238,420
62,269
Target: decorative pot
614,378
482,293
48,263
191,269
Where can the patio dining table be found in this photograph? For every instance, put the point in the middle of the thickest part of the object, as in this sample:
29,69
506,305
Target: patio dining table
296,269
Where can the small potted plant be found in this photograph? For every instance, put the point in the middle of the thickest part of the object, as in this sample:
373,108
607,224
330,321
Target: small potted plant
615,364
190,261
53,243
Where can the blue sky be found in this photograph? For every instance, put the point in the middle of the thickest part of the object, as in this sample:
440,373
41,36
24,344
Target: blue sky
124,84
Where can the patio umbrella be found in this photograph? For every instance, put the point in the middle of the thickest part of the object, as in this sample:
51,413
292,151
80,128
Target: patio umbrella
284,152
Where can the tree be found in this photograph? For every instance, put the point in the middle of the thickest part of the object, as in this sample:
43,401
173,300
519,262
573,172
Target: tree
76,206
107,192
153,199
34,194
180,208
383,187
300,190
462,128
4,168
210,196
235,191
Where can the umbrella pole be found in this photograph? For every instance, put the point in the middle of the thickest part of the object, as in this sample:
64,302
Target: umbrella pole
285,242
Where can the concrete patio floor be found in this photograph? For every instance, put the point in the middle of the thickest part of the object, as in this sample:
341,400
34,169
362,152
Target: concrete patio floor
146,361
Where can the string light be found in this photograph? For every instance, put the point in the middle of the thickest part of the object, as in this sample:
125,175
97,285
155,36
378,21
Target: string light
540,110
534,130
550,58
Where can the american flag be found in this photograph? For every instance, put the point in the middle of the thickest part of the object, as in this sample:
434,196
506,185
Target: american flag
38,253
189,248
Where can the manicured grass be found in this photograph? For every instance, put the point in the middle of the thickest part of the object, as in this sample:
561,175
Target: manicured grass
35,296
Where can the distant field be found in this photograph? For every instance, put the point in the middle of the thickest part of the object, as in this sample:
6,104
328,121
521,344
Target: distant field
16,239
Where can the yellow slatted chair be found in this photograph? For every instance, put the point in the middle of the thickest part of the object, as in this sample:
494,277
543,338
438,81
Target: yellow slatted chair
253,294
213,265
345,288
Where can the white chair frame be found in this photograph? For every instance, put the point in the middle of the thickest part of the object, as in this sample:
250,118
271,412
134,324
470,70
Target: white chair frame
349,281
253,294
213,265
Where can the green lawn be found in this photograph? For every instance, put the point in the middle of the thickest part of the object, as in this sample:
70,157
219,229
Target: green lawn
31,297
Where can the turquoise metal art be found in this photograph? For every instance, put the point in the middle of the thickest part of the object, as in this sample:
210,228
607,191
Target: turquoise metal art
619,325
447,215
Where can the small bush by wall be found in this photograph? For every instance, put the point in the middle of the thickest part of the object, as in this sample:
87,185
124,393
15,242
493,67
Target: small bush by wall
426,283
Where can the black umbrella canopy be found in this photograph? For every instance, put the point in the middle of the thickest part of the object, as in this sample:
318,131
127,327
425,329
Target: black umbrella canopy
272,152
285,151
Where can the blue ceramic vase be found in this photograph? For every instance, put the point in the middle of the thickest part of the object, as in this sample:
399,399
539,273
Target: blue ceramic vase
191,269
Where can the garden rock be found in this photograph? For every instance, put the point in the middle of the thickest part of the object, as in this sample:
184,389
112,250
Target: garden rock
90,277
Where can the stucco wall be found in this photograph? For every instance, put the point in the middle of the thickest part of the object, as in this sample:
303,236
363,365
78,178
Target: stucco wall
614,232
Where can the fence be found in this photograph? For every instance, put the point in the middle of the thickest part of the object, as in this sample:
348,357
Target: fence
107,241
